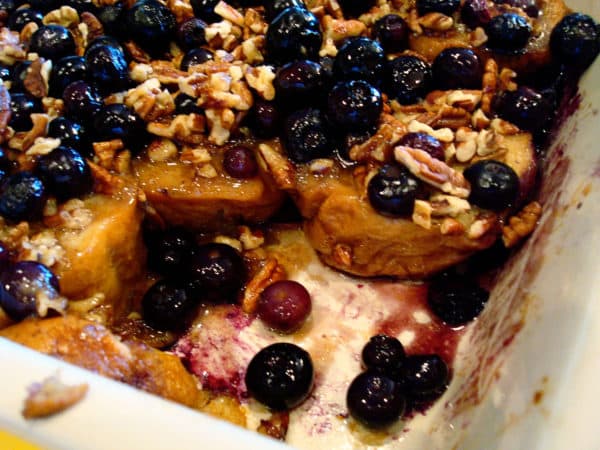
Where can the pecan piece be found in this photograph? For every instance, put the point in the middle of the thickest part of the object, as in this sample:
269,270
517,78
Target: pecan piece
521,225
272,271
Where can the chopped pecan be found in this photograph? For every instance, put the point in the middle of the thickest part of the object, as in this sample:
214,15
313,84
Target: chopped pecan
105,182
338,29
448,205
42,146
11,49
261,80
149,101
181,8
64,16
490,85
198,155
137,53
451,227
482,226
441,134
94,26
478,37
436,21
521,225
276,426
270,272
106,151
185,128
279,167
379,146
27,32
51,396
34,81
422,214
25,139
161,150
342,254
227,12
507,77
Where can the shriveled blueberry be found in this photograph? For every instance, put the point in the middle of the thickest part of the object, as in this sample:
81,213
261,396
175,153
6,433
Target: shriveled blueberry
284,305
71,134
274,7
280,376
239,162
442,6
494,185
151,25
264,119
475,13
190,33
194,57
425,377
19,73
167,306
20,285
205,10
21,106
52,42
360,58
184,104
82,100
375,400
354,105
21,17
508,32
393,191
425,142
298,83
392,33
384,354
293,34
170,252
576,40
107,67
65,71
113,19
65,173
456,300
457,68
354,8
117,121
409,79
22,197
525,107
306,135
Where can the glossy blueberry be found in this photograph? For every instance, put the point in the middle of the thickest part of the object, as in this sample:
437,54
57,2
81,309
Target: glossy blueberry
184,104
190,34
298,83
425,142
5,72
360,58
384,354
7,7
5,257
354,8
392,33
65,173
21,17
239,162
280,376
393,191
457,68
375,400
284,305
274,7
442,6
264,119
64,72
82,100
194,57
103,41
20,285
525,107
529,6
576,40
354,105
508,32
113,19
52,42
170,252
21,106
306,135
408,79
151,25
19,73
494,185
475,13
205,10
22,197
167,306
117,121
107,67
6,164
216,273
293,34
456,300
71,134
424,376
82,5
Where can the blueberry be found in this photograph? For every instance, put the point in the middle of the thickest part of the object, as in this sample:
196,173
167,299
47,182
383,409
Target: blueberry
184,104
167,306
354,8
65,173
375,400
117,121
280,376
384,354
284,305
5,72
354,105
65,71
205,10
306,135
21,17
525,107
576,40
5,259
6,164
425,377
293,34
71,134
7,7
392,33
360,58
52,42
103,41
457,68
22,197
456,300
508,32
494,185
194,57
274,7
82,6
19,73
425,142
408,79
393,191
82,100
190,33
264,119
20,285
107,67
113,18
239,162
170,252
151,25
442,6
475,13
216,273
21,106
298,83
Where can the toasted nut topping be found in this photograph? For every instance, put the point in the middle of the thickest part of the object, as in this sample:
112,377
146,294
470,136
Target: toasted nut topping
422,214
106,151
23,140
521,225
503,127
42,146
43,248
199,155
478,37
229,13
206,170
464,99
272,271
451,227
342,254
448,205
321,165
279,167
250,240
507,77
490,85
51,396
11,49
481,227
65,16
479,120
436,21
161,150
442,135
